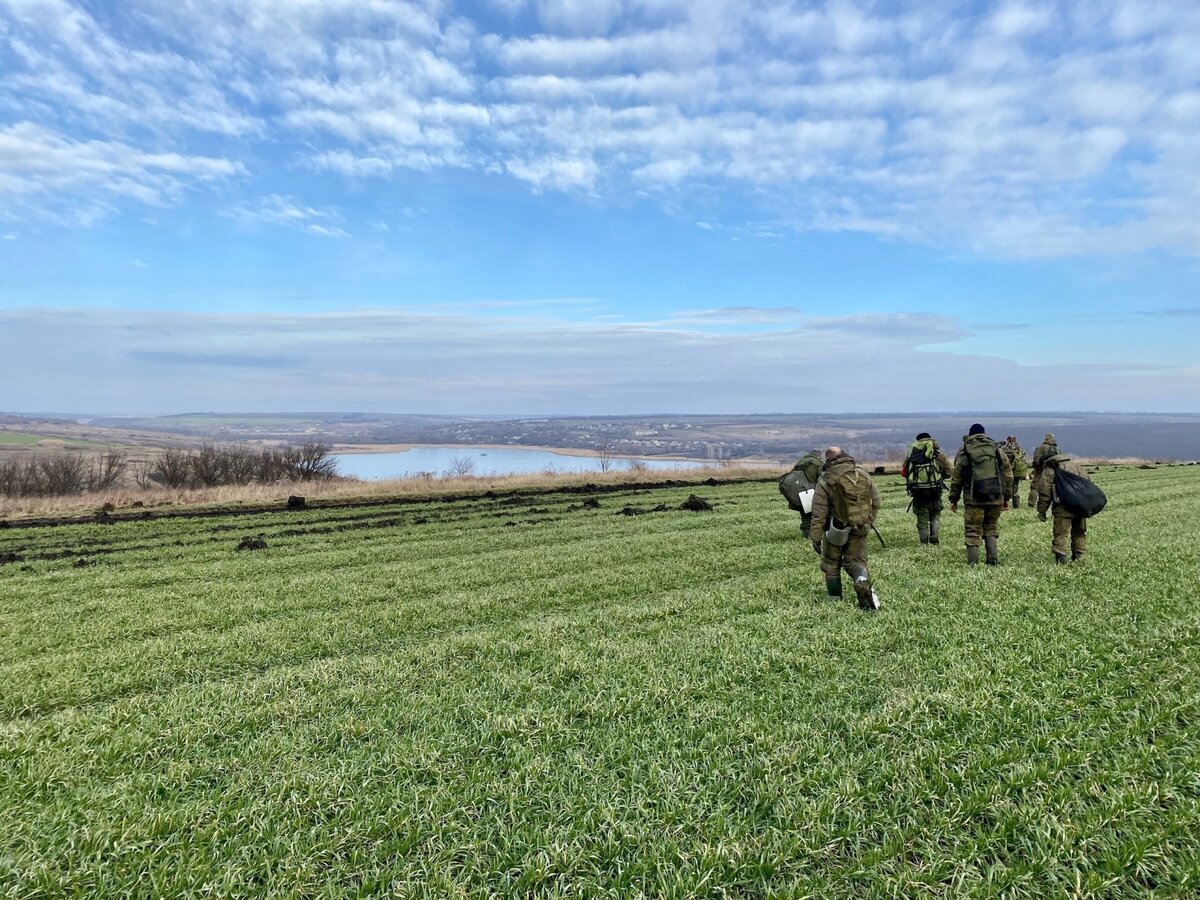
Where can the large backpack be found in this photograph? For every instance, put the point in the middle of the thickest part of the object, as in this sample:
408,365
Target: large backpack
792,485
924,476
983,458
1020,465
1078,495
852,497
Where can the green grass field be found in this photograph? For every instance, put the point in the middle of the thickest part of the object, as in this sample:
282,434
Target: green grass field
496,698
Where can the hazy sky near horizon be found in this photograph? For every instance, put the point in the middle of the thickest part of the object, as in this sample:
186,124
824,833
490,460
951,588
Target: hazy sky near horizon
599,206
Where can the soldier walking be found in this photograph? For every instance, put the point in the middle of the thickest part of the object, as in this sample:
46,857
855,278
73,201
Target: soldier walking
1070,528
1020,468
1047,449
796,483
925,471
983,479
845,505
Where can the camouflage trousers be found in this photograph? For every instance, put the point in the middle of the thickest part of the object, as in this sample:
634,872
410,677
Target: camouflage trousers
805,524
1070,535
852,557
1033,492
927,509
1014,498
980,522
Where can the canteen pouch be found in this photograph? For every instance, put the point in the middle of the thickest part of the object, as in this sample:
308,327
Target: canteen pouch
806,500
836,536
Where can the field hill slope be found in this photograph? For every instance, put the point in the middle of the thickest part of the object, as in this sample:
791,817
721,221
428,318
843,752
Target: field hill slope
611,695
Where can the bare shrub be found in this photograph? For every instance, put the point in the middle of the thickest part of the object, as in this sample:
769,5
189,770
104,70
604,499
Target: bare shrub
639,466
311,462
461,467
605,459
172,468
108,470
209,467
241,463
62,474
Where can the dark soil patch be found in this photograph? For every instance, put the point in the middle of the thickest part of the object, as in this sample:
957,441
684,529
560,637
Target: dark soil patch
696,504
296,502
252,543
630,511
84,562
212,512
591,503
11,558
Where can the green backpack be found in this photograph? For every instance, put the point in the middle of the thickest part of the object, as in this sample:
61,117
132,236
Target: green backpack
792,485
923,476
983,461
852,498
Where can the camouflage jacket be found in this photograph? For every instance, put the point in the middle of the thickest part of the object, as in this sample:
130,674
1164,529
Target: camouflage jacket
1045,482
1048,448
826,502
1016,457
962,466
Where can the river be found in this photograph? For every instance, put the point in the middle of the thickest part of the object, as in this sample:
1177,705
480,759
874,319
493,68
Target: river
485,460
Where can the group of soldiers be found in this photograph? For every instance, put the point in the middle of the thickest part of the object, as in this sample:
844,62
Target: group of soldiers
838,501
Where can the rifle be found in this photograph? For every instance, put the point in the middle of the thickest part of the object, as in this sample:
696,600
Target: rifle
882,542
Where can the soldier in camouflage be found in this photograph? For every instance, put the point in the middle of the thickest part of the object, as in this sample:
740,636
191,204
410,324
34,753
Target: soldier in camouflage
803,477
1020,468
1070,531
925,470
983,479
1048,448
845,506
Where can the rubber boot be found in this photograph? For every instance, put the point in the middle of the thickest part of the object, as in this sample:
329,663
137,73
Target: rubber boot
1076,555
972,556
1060,559
993,553
1016,501
935,526
833,586
867,598
923,535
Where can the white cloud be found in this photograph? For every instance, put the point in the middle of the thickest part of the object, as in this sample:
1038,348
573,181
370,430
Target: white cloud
556,174
47,173
1010,128
287,211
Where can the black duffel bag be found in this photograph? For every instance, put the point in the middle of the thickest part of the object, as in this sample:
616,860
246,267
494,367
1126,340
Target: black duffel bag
1078,495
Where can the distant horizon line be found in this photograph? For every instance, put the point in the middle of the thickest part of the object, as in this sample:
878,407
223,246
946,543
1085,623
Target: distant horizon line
629,415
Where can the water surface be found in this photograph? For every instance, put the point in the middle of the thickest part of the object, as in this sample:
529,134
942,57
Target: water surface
485,460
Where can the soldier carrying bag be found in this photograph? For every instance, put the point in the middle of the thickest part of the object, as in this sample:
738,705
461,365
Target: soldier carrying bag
1077,495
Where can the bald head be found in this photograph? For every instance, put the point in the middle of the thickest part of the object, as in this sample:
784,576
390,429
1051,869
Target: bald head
832,452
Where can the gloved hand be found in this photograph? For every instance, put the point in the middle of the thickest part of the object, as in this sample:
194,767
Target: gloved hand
953,507
1042,516
1004,505
817,547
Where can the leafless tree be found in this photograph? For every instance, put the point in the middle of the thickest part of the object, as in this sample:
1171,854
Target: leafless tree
461,467
62,474
606,459
312,462
172,468
108,470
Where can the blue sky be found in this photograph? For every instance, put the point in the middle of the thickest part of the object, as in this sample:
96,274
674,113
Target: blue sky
599,206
